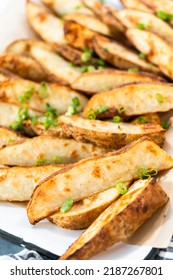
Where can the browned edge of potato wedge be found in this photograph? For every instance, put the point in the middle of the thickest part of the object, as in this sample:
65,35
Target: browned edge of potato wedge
23,66
119,221
132,99
47,149
108,134
136,4
18,183
120,56
103,80
94,175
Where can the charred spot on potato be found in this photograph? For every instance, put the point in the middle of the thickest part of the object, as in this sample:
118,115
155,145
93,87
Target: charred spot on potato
96,172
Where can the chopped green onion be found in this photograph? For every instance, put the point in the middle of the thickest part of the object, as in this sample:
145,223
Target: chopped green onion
16,125
133,70
159,97
43,91
75,101
142,55
165,124
121,109
78,7
101,62
87,55
51,110
144,173
23,114
102,1
11,141
121,188
141,26
102,109
67,205
73,109
105,49
164,16
57,160
91,115
26,96
142,120
50,117
34,119
116,119
72,64
41,162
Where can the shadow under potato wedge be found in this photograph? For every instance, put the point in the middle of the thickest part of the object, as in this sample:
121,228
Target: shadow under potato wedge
136,4
137,19
23,66
132,100
18,183
94,175
156,48
47,150
108,134
63,7
58,96
120,56
103,80
119,221
49,27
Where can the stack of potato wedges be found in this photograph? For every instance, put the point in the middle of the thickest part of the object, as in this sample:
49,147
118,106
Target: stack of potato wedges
81,107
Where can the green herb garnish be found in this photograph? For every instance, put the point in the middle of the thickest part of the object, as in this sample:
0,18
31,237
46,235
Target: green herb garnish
142,120
41,162
34,120
72,64
121,188
23,114
141,26
92,114
73,108
133,70
159,97
101,62
11,141
25,97
87,68
50,117
116,119
67,205
121,109
144,173
164,16
43,91
165,124
142,55
87,55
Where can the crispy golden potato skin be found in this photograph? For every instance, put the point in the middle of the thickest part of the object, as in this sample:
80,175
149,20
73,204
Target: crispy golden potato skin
118,222
107,134
89,174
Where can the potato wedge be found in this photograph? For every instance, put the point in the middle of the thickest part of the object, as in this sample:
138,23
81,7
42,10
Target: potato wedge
58,96
119,221
94,175
159,5
6,75
134,19
57,68
49,27
8,136
23,66
18,183
78,36
107,14
136,4
101,80
108,134
120,56
157,50
9,113
85,211
90,22
132,99
47,149
67,7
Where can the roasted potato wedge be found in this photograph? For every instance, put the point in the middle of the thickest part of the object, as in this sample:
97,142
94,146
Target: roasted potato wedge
8,136
58,96
18,183
159,5
120,56
102,80
94,175
47,149
90,22
136,4
157,50
6,75
65,7
49,27
132,99
9,113
78,36
85,211
138,19
119,221
58,69
108,134
23,66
